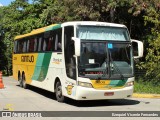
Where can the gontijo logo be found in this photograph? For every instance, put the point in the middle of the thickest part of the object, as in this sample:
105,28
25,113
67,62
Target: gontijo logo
27,58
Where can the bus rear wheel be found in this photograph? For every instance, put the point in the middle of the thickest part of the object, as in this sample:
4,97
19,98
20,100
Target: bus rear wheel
59,95
24,81
20,80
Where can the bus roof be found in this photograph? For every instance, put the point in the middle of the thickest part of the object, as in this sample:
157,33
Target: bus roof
94,23
39,30
73,23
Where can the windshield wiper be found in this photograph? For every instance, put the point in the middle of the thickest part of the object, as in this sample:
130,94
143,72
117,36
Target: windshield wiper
115,66
105,72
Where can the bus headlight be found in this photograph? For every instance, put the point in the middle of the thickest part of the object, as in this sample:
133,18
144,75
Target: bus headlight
129,84
84,84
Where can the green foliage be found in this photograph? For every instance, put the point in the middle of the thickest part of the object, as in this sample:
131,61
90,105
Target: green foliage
152,58
152,63
143,86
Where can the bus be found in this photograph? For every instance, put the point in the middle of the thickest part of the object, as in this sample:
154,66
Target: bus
81,60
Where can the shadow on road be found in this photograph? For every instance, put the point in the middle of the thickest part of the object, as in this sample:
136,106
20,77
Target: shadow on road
96,103
42,92
88,103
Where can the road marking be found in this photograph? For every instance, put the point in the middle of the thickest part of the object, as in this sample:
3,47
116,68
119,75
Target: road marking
137,95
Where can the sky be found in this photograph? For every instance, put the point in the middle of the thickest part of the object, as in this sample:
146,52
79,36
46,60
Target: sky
6,2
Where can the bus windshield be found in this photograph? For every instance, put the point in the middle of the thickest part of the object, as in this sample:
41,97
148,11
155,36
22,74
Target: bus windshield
103,58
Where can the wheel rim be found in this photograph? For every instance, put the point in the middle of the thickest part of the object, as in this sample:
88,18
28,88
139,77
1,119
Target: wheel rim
24,82
59,91
20,81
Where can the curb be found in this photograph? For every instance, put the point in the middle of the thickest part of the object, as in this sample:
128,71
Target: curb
137,95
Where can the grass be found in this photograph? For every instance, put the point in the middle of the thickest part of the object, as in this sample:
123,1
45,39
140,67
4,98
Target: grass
148,87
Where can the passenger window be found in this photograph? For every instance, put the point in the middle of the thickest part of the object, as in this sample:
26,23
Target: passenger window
15,46
40,44
35,44
24,46
44,45
27,46
21,46
50,43
57,40
31,45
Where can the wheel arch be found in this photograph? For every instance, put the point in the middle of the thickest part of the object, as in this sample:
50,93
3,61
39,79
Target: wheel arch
19,74
23,73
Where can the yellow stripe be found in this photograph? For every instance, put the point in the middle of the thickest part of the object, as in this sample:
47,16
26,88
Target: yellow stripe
98,84
34,32
37,31
136,95
22,36
104,85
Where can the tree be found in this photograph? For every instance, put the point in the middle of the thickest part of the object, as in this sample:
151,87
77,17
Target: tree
151,64
17,18
2,45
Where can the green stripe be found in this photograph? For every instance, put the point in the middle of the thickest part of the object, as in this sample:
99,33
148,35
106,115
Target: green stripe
53,27
42,65
118,83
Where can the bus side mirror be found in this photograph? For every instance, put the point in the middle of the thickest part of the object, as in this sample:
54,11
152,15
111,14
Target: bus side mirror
137,48
76,45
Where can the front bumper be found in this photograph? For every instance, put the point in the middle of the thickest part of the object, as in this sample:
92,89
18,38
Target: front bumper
83,93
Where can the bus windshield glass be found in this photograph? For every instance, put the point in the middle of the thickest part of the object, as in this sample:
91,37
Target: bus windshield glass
105,53
102,33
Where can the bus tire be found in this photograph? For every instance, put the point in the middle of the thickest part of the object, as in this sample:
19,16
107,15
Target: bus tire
20,80
59,95
24,81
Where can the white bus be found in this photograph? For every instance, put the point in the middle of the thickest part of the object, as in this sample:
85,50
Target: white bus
81,60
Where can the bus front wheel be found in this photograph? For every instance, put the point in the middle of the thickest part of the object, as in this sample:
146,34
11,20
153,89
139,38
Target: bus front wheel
59,95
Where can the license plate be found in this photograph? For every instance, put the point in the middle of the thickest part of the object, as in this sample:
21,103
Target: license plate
108,93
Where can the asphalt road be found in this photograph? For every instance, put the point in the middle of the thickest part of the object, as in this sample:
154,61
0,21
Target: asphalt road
15,98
